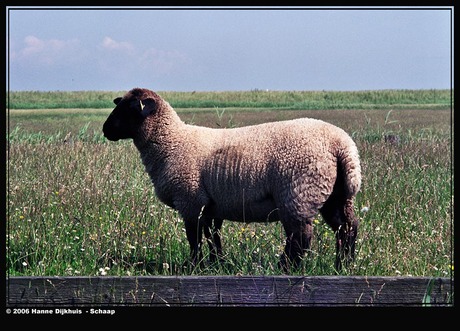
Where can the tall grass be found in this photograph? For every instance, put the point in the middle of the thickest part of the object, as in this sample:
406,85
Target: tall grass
80,205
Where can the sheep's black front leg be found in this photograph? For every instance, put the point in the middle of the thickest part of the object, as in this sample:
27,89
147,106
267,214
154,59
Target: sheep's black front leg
193,230
216,237
212,234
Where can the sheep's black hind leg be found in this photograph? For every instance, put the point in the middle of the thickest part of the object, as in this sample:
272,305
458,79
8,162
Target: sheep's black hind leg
346,237
340,216
298,238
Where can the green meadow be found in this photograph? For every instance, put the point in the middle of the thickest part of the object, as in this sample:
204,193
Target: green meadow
78,204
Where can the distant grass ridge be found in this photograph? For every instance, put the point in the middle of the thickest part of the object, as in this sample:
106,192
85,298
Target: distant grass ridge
289,100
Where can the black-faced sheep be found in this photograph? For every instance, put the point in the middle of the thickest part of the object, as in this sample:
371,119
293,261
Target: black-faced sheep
287,171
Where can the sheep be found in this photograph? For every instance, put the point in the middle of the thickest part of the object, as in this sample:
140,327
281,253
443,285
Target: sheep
286,171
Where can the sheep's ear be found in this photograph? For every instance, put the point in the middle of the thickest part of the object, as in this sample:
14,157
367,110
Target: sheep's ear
147,107
117,100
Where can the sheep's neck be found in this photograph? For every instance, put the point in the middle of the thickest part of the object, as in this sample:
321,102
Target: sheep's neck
158,142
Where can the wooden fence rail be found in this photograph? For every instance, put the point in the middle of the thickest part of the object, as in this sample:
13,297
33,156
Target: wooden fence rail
228,291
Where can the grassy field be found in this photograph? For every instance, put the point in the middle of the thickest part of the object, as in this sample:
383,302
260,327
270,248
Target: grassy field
80,205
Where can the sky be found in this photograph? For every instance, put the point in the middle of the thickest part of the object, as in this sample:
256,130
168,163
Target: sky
229,49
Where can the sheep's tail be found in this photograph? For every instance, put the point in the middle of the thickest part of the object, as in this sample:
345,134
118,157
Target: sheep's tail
349,162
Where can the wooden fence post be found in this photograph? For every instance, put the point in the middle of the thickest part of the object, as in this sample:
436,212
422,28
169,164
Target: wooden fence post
229,291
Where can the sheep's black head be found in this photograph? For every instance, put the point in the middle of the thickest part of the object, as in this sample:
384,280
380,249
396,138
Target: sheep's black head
126,118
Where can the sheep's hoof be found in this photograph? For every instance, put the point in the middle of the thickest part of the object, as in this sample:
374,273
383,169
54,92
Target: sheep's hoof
343,261
193,264
215,259
285,264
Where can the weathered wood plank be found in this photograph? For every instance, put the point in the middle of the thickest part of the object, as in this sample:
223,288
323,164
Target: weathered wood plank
230,291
